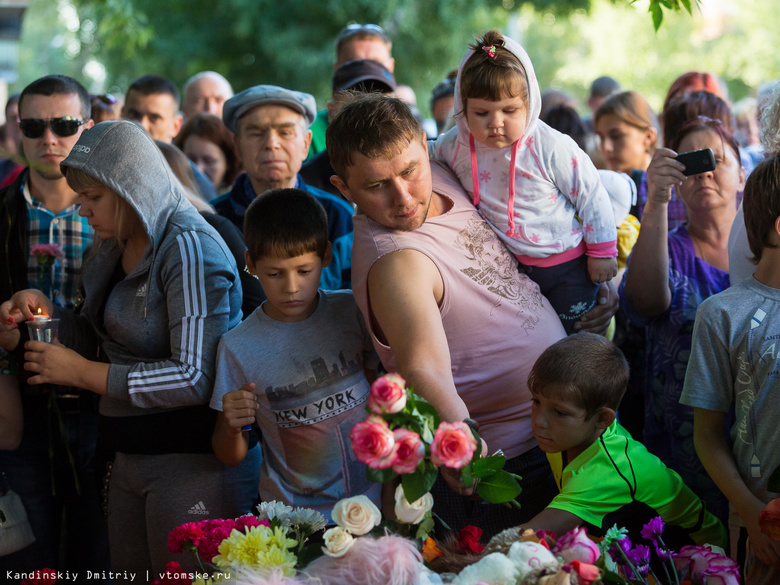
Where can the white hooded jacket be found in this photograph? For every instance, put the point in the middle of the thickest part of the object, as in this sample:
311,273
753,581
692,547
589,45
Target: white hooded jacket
559,211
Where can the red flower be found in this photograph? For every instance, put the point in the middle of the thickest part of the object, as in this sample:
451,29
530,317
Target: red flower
468,540
173,576
587,573
189,535
42,577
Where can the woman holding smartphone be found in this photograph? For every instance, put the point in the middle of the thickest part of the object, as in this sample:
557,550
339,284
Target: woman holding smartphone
669,273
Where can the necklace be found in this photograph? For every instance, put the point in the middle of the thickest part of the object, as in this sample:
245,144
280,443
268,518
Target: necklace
699,249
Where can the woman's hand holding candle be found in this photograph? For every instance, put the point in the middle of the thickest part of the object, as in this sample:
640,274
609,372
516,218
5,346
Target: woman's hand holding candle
25,305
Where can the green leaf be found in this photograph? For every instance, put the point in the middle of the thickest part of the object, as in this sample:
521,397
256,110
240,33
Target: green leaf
467,474
489,465
773,485
425,527
417,484
687,4
610,577
380,475
308,554
658,14
498,488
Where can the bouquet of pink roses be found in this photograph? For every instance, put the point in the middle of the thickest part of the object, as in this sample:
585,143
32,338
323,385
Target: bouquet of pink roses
404,436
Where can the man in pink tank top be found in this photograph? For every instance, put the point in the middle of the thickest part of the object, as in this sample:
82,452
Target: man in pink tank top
444,300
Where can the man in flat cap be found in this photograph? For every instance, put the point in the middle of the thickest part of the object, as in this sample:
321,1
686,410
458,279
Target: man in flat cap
270,128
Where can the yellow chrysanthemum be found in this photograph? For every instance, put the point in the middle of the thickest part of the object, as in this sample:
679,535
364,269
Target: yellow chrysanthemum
277,557
259,547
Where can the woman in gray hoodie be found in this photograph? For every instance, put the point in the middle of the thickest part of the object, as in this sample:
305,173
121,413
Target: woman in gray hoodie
160,289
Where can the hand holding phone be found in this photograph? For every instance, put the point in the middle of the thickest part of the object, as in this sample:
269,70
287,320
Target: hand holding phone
697,161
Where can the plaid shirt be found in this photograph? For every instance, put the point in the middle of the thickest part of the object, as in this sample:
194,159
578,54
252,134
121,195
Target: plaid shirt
71,232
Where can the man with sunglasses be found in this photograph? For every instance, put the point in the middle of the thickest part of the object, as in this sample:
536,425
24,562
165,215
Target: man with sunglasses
59,423
355,41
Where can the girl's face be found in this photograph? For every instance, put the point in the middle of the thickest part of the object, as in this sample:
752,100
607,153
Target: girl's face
98,205
208,157
713,189
625,147
497,124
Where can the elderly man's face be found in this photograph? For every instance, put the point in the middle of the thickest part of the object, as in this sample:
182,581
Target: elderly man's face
272,144
206,95
394,191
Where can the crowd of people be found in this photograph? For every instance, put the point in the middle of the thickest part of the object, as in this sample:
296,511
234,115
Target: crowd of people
231,272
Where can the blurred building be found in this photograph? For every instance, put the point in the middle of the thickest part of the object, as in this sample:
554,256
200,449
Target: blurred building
11,15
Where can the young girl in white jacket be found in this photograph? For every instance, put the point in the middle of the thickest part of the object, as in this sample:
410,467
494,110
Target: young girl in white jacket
538,191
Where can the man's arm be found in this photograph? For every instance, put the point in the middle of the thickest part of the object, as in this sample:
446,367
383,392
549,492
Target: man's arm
404,290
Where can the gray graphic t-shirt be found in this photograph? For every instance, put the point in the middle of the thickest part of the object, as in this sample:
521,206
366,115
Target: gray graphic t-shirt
734,362
310,384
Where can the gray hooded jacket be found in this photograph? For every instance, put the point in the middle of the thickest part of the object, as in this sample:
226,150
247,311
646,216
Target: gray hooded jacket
160,325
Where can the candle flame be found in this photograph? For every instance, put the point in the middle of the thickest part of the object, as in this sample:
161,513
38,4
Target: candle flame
39,310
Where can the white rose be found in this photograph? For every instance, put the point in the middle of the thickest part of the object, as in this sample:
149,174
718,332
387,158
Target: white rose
337,542
411,513
358,514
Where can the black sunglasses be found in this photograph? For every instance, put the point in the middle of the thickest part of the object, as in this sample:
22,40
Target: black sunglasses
62,127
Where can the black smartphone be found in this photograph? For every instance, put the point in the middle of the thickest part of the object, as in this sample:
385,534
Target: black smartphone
697,161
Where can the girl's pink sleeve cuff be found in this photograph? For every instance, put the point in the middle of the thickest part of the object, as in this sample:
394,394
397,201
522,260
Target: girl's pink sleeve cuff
602,249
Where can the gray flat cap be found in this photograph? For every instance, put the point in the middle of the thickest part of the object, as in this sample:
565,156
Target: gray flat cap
262,95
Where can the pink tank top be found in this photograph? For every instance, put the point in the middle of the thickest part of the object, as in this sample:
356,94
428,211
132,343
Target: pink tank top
496,321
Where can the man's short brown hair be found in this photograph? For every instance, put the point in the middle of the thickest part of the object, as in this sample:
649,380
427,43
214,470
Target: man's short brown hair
372,124
761,205
586,369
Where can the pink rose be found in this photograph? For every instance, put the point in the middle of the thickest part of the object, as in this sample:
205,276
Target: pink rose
388,394
697,559
373,442
453,445
575,544
721,575
408,452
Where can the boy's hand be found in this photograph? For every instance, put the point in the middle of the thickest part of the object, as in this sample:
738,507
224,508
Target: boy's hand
766,549
239,407
602,269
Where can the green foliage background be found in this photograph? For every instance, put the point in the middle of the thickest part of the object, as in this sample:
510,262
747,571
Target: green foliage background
291,43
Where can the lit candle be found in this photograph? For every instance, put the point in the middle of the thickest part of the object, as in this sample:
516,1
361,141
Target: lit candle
39,318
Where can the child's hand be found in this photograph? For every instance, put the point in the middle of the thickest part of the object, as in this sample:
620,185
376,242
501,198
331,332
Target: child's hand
663,173
239,407
766,549
602,269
